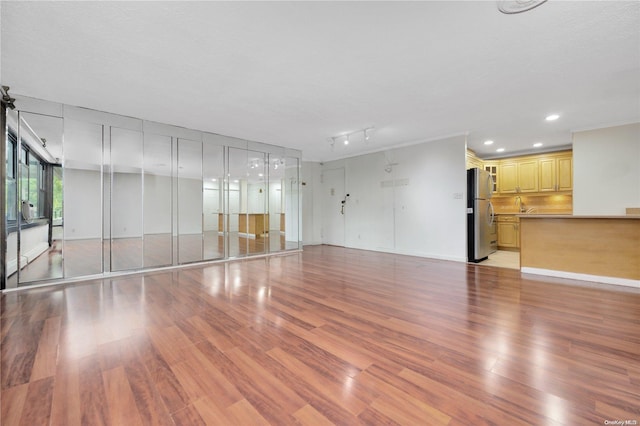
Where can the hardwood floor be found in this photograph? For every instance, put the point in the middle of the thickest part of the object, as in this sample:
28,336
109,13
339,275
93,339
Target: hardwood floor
328,336
78,258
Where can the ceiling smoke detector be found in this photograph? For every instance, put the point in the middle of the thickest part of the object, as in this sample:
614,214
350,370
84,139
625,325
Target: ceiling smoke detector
518,6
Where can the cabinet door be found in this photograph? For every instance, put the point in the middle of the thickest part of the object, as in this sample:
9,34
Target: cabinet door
547,168
492,168
508,178
507,235
528,176
565,174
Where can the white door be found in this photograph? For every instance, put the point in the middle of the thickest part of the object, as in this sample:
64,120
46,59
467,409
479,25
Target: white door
333,216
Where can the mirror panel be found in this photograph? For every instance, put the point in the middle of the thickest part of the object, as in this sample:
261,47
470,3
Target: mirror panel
157,201
82,198
40,238
236,160
291,196
189,174
11,200
212,200
277,225
126,199
257,229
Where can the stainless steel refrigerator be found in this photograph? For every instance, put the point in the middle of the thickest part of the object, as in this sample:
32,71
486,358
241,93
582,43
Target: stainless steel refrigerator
481,227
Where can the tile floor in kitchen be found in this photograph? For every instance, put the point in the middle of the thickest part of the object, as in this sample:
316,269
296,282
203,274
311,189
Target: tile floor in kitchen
503,259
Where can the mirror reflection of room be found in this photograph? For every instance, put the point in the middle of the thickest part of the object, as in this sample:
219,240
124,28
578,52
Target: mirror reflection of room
90,193
34,192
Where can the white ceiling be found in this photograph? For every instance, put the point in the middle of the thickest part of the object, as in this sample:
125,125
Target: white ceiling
297,73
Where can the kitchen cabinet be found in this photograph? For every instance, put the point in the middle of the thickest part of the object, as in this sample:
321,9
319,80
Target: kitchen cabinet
492,168
508,177
556,173
551,172
518,176
565,173
527,176
508,231
473,161
253,225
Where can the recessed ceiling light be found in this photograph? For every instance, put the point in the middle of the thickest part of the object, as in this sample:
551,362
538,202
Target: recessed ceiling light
214,180
552,117
500,150
537,144
488,142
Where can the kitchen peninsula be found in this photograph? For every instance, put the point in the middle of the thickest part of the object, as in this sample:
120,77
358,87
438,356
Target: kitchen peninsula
594,248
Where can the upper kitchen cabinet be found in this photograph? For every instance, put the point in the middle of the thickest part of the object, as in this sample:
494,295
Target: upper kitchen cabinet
556,172
473,161
508,177
492,168
518,175
530,174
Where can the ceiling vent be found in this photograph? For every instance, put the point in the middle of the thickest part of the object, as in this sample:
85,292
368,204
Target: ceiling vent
518,6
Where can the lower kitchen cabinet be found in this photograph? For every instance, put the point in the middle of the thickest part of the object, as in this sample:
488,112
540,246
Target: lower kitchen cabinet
508,231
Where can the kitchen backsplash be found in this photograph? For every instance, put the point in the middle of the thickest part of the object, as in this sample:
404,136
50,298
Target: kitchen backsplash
541,204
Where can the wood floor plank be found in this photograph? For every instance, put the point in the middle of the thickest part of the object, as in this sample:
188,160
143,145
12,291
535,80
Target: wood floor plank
199,378
13,400
93,405
188,416
119,397
339,393
275,401
308,416
151,408
243,413
210,412
46,356
65,409
164,380
171,342
327,336
38,399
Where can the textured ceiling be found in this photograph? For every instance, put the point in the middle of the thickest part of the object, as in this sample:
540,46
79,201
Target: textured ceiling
297,73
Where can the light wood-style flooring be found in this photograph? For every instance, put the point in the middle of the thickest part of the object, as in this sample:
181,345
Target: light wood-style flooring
503,259
327,336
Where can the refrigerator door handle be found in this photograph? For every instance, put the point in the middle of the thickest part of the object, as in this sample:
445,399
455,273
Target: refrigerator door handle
491,214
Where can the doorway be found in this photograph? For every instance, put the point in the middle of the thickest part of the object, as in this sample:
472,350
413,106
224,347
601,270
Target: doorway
333,208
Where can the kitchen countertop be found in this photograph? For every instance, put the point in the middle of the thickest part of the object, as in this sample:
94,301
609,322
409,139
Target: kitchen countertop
570,216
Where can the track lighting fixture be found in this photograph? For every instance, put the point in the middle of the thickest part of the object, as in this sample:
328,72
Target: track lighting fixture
7,100
366,135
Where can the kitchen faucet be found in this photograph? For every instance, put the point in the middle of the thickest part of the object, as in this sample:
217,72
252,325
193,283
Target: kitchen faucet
520,204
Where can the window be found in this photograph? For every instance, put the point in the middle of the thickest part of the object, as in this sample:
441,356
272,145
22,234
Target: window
10,205
33,182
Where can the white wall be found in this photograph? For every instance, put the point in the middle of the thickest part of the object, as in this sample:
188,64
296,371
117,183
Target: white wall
606,170
311,204
418,208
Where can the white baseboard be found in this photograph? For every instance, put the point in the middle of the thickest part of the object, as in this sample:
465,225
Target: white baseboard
250,236
36,251
584,277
